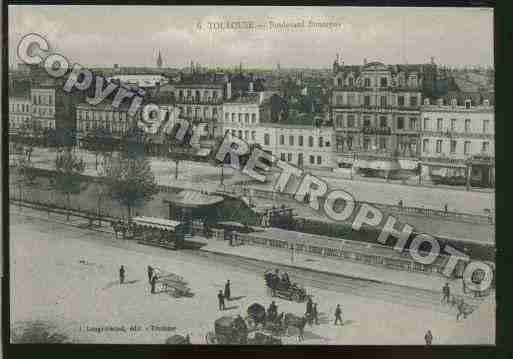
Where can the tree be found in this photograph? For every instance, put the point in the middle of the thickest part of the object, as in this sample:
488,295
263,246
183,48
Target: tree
67,179
129,180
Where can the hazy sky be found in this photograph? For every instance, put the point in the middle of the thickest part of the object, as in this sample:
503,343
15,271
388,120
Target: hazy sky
132,35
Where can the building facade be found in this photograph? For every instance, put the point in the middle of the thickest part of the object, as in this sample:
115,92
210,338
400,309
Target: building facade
242,116
306,147
43,107
375,111
19,112
457,140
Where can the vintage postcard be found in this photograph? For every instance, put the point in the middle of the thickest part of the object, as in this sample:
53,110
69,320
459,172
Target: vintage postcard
251,175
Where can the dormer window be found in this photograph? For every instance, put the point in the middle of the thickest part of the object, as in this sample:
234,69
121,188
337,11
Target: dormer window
468,104
440,102
426,101
454,102
486,102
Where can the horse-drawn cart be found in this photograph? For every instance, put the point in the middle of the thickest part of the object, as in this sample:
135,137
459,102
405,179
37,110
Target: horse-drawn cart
234,330
284,289
170,282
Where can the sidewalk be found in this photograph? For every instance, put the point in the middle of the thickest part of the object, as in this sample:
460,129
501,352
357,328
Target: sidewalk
344,268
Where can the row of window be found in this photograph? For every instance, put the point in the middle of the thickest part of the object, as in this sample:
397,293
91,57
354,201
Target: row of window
114,126
108,116
246,134
197,111
289,157
42,111
20,107
239,116
485,125
485,146
197,94
354,100
383,81
300,141
383,122
42,100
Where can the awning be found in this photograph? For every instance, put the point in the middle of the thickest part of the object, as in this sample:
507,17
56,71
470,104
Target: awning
155,222
378,164
189,198
408,164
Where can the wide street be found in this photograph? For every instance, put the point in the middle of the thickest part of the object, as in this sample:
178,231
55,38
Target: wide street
67,277
203,176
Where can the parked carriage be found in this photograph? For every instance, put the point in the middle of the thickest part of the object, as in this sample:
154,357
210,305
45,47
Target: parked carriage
234,331
284,289
256,315
172,283
178,339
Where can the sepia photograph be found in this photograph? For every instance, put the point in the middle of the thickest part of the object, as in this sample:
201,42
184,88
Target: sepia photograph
251,175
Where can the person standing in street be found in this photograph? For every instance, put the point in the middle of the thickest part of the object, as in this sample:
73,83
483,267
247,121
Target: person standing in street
338,315
445,208
227,290
121,275
446,290
315,314
309,307
150,274
220,298
153,283
428,337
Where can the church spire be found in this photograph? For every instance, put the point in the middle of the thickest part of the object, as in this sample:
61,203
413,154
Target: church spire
159,61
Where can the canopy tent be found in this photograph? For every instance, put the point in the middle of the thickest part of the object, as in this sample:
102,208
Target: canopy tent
385,165
194,199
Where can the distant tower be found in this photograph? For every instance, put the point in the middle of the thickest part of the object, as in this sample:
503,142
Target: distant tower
278,66
159,61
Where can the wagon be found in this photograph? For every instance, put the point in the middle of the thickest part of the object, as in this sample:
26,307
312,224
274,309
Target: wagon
256,315
279,288
170,282
228,330
263,339
178,340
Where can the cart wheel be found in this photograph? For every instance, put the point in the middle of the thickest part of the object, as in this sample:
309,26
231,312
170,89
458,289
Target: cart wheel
211,338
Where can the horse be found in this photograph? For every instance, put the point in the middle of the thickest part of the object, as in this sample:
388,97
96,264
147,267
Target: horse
118,227
292,320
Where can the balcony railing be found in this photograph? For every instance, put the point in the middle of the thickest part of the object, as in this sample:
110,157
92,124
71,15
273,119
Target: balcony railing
202,101
455,134
376,130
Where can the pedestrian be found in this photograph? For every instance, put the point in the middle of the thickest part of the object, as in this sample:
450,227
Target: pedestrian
446,290
121,275
309,306
153,283
315,314
220,298
461,310
338,315
301,328
445,208
401,203
150,274
428,337
227,290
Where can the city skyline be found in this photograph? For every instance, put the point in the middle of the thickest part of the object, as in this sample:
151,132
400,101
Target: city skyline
398,35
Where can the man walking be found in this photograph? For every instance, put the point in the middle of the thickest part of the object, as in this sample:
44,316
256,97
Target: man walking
153,283
121,275
309,308
315,314
446,290
227,290
428,337
220,298
338,315
150,274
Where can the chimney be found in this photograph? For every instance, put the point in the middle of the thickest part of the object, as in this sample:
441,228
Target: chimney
364,61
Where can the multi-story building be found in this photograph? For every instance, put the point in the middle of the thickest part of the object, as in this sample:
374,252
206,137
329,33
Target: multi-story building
43,107
375,111
457,140
89,118
304,146
200,97
242,115
19,112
